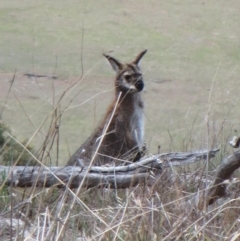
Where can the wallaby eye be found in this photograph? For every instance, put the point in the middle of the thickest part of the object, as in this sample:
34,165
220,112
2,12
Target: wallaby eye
127,77
137,76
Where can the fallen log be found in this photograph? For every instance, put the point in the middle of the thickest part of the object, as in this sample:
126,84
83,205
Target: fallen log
121,176
100,176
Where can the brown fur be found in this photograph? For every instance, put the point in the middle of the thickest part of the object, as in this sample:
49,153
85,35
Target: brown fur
124,136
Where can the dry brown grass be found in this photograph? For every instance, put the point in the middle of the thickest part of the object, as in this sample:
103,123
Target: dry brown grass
143,213
161,211
192,96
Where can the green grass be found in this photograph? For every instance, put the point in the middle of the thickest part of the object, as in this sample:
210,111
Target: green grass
192,45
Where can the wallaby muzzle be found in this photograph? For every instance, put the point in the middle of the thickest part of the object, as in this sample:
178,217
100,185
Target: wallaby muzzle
139,85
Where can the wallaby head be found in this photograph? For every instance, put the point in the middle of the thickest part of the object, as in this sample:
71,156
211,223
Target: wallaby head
119,136
128,76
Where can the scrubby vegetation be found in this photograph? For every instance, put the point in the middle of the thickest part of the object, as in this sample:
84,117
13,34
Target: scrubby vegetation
13,152
192,102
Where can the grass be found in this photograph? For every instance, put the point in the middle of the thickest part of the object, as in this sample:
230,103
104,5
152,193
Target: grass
191,74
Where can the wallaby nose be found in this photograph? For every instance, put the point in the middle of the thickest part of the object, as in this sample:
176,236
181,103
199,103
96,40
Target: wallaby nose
139,85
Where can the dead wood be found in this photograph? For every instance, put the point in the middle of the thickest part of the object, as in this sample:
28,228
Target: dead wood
120,176
224,172
100,176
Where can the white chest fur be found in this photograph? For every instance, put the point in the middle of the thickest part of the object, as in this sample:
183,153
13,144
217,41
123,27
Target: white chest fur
137,125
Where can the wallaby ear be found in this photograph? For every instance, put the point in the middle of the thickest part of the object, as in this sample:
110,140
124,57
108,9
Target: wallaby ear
138,58
116,65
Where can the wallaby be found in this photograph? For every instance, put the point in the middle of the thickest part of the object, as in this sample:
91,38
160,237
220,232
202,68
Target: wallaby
119,137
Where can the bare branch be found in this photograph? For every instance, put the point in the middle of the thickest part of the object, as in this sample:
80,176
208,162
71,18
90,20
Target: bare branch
224,172
100,176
